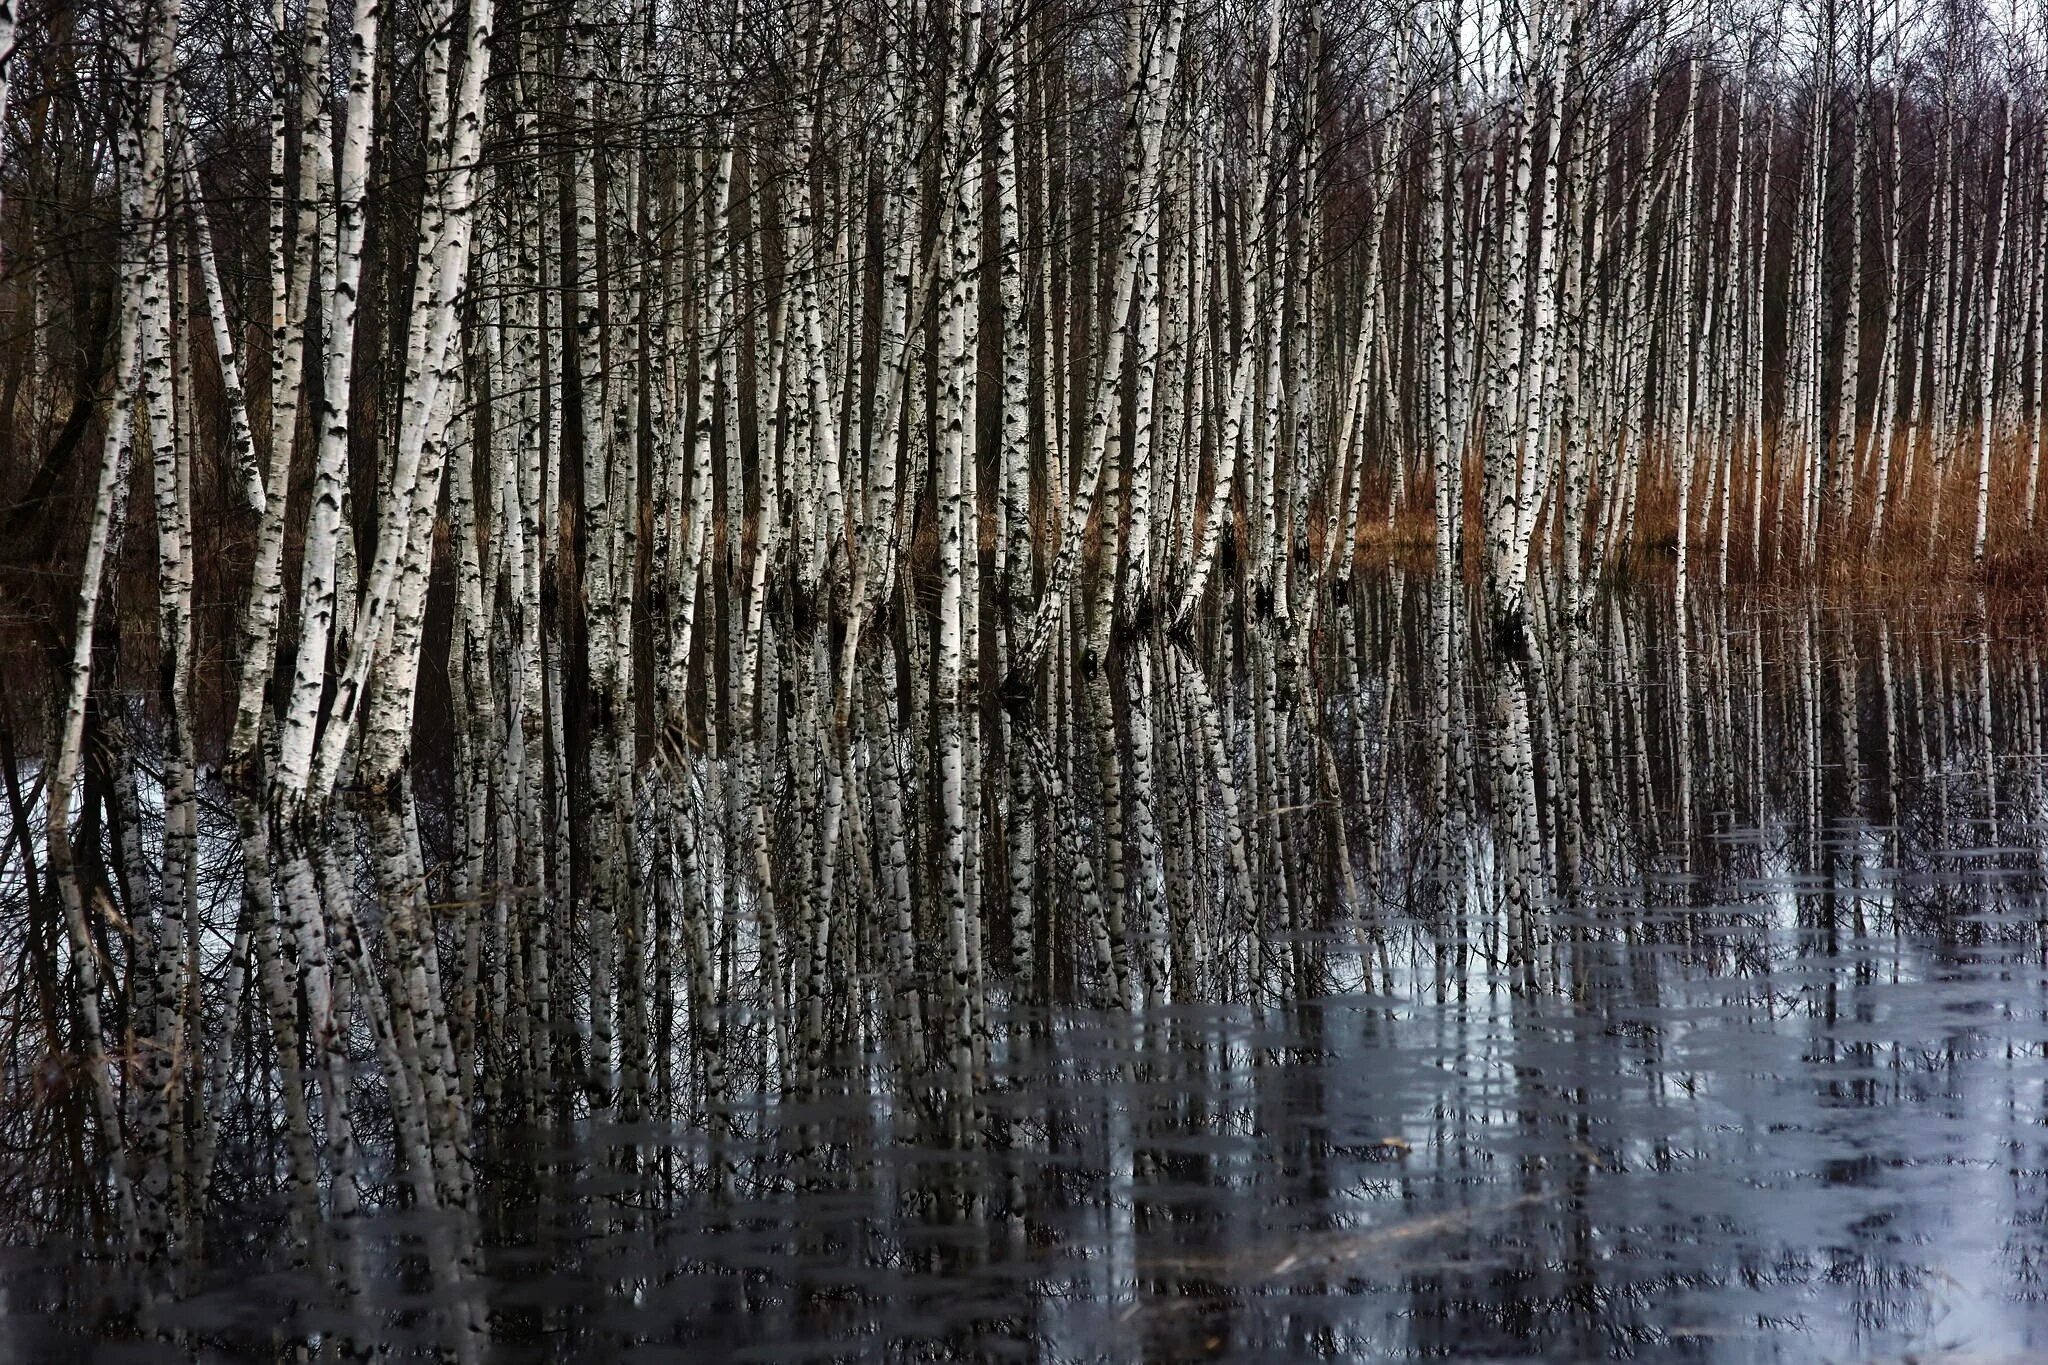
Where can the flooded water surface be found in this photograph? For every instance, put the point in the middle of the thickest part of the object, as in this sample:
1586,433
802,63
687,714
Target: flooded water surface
1619,997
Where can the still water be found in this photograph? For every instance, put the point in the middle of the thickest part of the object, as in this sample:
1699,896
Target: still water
1629,998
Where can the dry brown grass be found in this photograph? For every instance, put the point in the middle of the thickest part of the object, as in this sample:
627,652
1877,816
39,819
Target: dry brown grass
1905,564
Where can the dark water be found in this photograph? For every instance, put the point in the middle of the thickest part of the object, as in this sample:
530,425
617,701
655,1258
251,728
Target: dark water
1732,1047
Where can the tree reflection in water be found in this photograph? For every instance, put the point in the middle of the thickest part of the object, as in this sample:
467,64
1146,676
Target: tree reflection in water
1605,996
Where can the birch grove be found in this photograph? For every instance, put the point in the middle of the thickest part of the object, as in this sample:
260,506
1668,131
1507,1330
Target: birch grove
678,532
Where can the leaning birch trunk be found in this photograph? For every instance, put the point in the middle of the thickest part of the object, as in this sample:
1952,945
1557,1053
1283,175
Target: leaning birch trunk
384,659
116,451
1501,454
341,277
1347,480
1238,397
1152,79
1547,271
1140,439
241,436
